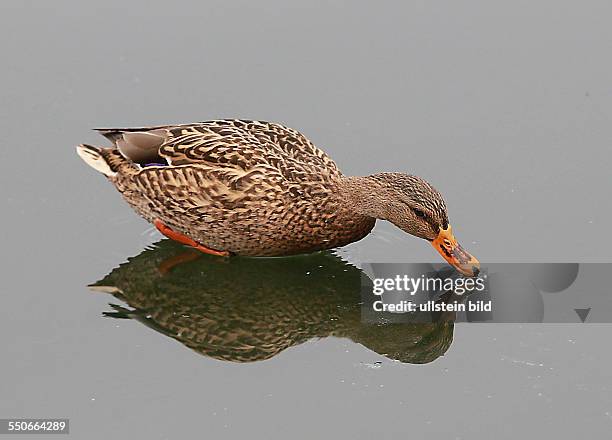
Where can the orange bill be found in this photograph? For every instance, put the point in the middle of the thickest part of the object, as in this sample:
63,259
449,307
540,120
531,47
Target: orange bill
451,251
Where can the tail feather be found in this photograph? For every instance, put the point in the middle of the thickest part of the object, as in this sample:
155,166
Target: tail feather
94,157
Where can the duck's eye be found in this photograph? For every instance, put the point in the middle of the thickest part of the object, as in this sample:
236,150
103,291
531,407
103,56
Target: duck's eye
419,213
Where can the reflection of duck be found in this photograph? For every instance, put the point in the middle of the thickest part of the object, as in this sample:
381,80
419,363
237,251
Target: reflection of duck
256,188
248,309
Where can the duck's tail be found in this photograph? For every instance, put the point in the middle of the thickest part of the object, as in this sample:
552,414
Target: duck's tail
107,161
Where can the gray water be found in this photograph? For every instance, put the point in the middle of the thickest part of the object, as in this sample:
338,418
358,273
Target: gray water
504,107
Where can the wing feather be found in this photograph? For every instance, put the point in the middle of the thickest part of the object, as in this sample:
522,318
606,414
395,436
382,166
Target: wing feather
239,144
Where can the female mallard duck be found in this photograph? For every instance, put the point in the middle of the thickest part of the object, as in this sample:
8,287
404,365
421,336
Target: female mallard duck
261,189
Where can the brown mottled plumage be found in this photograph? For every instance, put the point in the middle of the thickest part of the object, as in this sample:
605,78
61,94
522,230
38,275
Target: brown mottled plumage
251,309
257,188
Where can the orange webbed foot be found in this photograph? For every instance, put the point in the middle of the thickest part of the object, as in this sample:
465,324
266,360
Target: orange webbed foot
177,236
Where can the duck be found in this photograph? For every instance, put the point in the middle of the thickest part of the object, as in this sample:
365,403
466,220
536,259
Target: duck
261,189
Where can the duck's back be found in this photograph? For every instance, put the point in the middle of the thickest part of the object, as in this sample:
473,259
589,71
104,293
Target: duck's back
229,143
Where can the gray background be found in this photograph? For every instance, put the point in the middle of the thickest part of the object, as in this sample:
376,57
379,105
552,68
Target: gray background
504,106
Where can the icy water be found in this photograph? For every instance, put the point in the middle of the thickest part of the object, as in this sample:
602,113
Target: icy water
505,108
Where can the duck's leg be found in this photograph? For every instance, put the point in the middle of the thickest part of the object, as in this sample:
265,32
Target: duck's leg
177,236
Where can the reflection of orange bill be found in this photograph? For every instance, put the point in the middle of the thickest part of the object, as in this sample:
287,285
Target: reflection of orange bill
451,251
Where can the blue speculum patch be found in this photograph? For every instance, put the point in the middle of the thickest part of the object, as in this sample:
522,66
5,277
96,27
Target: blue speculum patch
155,164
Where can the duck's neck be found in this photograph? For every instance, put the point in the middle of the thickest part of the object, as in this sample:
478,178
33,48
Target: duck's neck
364,195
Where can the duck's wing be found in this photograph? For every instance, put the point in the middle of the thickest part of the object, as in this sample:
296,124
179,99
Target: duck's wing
238,144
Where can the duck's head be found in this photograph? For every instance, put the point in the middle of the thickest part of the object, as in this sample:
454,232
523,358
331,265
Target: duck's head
416,207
